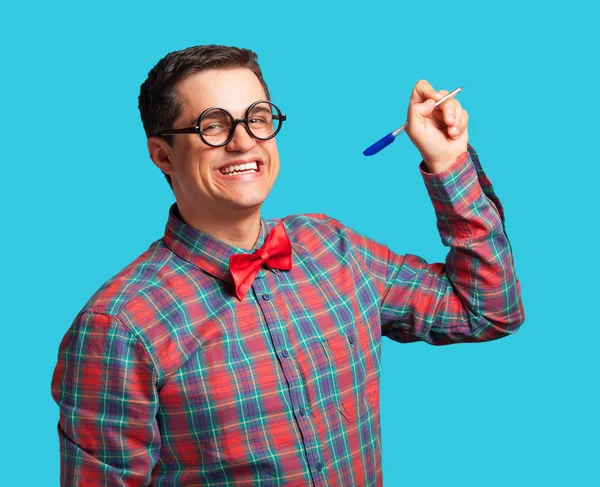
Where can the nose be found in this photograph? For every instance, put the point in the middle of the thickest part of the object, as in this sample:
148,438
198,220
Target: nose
241,141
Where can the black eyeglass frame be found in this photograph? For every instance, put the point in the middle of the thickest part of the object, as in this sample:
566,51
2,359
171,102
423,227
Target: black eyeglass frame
234,122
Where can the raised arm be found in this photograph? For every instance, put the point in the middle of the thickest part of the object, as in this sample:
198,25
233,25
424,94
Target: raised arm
475,295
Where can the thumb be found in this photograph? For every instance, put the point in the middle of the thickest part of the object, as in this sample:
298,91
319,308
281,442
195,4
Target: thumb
422,110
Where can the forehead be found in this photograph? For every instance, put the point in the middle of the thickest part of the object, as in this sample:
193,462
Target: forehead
232,89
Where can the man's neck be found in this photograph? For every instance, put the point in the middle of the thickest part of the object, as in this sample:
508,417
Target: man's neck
240,229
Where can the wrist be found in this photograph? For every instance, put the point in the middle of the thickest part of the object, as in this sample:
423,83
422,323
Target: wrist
436,166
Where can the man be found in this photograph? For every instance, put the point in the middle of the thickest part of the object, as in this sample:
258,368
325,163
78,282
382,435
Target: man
243,351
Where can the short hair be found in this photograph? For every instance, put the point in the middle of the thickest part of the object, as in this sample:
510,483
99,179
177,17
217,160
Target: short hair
158,102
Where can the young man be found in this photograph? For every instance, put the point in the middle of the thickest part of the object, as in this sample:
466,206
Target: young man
243,351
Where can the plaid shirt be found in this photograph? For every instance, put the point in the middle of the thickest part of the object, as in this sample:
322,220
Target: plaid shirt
166,379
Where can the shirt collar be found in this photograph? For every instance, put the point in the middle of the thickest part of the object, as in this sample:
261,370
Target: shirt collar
203,250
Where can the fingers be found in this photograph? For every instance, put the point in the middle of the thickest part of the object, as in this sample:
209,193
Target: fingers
449,114
452,115
422,101
463,124
423,91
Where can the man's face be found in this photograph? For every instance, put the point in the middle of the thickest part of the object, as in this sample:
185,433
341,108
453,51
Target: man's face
197,177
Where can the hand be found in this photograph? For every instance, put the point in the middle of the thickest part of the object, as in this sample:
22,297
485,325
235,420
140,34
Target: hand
439,134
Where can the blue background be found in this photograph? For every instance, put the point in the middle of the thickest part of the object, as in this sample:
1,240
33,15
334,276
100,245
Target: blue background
81,199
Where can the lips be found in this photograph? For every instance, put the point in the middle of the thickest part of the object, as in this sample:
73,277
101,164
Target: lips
241,166
239,171
251,166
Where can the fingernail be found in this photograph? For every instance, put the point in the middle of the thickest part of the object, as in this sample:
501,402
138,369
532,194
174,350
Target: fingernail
451,117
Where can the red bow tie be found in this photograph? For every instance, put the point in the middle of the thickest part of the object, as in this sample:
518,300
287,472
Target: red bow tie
276,253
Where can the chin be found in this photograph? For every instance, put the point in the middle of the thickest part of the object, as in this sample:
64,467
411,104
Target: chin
250,205
249,201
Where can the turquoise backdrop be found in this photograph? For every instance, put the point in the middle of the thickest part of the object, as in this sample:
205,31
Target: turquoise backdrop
80,199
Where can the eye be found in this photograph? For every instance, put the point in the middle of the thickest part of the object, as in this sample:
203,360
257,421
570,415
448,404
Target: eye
213,128
257,120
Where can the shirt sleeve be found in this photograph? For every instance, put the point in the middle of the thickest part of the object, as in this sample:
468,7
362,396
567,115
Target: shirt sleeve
473,296
104,385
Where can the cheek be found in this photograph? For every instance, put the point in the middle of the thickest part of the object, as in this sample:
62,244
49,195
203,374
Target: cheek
196,162
273,169
276,168
271,149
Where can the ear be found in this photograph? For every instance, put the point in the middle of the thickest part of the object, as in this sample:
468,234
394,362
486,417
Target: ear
160,153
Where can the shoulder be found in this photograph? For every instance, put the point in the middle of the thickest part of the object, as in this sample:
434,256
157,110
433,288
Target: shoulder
315,231
148,301
308,223
108,312
122,291
318,233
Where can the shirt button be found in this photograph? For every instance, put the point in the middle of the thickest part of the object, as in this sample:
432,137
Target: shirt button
302,410
351,339
319,466
285,353
266,296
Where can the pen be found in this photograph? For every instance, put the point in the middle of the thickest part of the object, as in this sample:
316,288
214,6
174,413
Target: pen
389,138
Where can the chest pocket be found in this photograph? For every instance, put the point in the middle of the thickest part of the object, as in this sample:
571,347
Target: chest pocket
342,350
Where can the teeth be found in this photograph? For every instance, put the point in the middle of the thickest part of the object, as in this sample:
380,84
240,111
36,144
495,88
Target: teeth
237,168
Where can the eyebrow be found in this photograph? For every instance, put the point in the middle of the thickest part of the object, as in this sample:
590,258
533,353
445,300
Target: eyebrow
194,121
214,116
259,109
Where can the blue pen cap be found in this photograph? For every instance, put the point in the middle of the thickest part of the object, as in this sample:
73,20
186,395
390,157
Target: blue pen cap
380,144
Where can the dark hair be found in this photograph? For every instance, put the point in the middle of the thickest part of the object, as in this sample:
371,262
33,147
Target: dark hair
158,102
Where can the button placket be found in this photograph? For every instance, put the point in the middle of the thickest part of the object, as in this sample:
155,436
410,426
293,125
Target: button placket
264,291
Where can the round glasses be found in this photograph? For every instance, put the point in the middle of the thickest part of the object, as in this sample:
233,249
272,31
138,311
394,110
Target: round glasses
216,126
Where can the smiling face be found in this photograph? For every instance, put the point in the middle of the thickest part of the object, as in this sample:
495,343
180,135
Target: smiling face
203,183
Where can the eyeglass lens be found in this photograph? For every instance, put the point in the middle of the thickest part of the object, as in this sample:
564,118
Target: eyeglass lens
263,122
